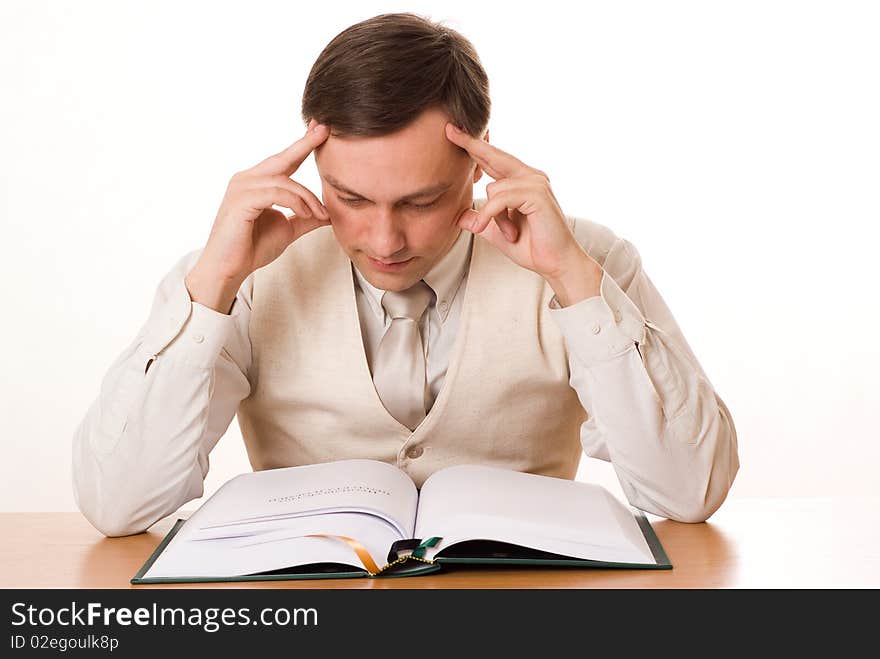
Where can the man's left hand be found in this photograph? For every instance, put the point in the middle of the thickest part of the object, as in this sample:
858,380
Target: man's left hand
529,226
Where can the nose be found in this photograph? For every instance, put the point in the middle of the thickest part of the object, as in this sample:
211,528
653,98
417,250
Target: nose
387,239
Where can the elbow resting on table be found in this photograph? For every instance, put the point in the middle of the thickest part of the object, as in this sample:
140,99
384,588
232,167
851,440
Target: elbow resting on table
699,504
115,526
115,517
691,508
697,511
716,449
695,480
122,498
111,520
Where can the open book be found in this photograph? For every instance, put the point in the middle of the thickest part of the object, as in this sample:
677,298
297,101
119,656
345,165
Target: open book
354,518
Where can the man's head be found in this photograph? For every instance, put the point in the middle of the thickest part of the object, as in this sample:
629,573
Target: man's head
386,88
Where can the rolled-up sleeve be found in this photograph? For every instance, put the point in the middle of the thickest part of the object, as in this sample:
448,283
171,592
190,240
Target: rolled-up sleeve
652,412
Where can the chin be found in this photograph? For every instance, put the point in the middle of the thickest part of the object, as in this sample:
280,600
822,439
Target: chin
390,281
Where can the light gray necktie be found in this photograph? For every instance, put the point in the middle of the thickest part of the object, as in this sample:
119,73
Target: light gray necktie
399,368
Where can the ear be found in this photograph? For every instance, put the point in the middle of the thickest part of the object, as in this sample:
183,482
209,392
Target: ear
478,171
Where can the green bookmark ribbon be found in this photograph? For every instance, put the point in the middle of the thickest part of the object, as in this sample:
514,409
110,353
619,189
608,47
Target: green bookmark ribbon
419,552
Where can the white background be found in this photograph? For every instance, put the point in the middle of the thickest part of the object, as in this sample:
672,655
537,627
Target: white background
736,145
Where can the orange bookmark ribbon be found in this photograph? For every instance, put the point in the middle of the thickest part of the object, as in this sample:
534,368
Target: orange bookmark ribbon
358,548
367,560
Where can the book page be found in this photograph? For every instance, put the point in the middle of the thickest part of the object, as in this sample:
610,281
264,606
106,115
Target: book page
259,521
580,520
367,486
300,543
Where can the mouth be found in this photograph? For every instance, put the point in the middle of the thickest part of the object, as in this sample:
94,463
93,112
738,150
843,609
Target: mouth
389,266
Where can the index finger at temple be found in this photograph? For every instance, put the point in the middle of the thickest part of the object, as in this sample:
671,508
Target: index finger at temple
496,162
289,160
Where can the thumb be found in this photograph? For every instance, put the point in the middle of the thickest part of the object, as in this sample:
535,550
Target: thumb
303,225
467,219
506,228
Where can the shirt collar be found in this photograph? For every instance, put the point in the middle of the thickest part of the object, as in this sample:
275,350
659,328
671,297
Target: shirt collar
447,274
444,278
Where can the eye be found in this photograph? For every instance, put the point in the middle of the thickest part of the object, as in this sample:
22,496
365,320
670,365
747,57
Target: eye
354,201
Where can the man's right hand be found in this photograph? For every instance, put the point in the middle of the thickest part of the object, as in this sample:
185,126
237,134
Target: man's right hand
248,233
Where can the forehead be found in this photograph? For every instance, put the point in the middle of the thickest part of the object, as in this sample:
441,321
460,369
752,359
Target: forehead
393,165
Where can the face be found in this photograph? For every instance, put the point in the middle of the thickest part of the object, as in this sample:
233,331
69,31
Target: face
394,201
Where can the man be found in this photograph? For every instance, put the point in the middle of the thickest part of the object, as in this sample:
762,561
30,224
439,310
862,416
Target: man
399,319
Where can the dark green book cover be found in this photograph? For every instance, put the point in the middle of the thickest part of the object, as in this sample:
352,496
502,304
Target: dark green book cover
472,552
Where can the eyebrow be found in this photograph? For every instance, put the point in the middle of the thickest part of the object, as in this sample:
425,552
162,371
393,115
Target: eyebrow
424,192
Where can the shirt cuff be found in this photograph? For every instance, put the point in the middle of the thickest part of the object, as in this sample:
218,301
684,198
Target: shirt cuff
602,327
187,331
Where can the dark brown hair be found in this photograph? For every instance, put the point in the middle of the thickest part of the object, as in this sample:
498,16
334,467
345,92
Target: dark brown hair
379,75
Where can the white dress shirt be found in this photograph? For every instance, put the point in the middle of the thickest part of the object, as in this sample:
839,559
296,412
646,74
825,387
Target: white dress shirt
645,404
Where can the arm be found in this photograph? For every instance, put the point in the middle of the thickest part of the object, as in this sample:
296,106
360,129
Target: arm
653,412
141,451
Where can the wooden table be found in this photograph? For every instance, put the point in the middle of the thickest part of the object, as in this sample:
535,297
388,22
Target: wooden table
749,543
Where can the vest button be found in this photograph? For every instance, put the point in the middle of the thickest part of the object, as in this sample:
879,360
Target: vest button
415,452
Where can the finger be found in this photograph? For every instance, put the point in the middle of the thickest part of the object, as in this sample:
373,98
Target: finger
262,198
494,235
288,161
302,225
497,163
514,218
515,215
508,228
471,220
318,209
496,207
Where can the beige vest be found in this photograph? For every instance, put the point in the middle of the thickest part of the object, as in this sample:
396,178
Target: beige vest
506,400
